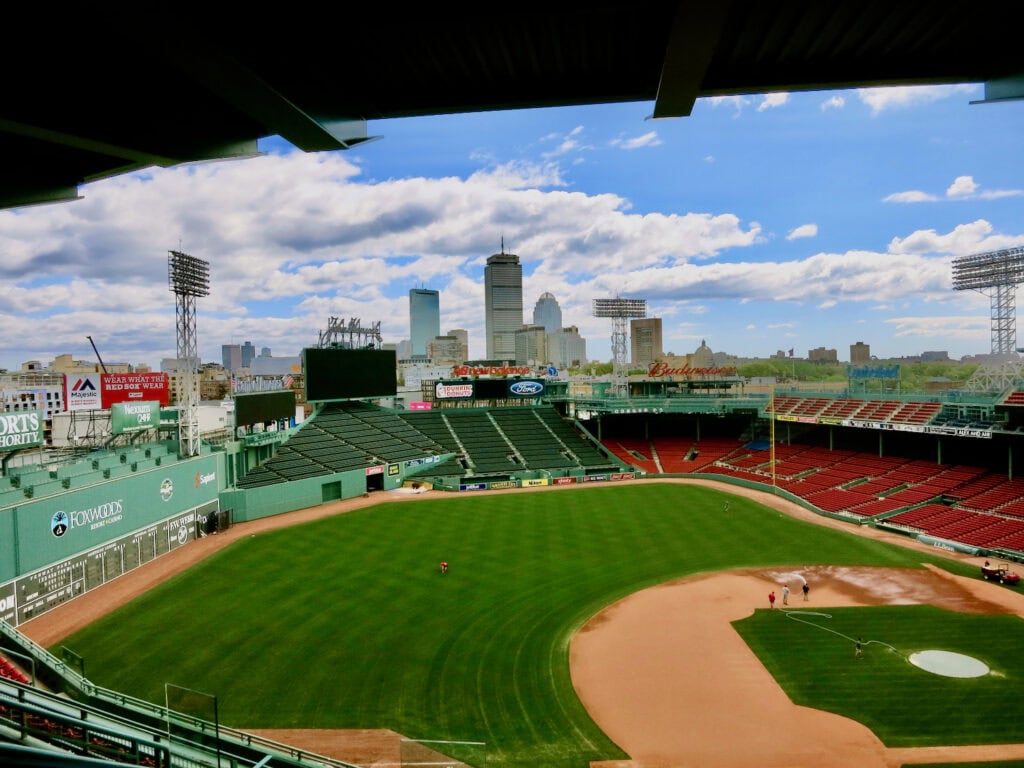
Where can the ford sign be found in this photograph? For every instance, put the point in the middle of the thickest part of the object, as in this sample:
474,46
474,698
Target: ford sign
526,388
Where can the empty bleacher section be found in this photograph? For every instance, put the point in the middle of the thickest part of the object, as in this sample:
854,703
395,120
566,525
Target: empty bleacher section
497,441
487,450
342,437
433,425
897,411
505,440
72,472
636,452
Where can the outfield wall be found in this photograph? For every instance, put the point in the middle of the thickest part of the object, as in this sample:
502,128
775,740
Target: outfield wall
55,548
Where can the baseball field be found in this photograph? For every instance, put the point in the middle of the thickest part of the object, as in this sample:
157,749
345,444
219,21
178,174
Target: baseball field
346,622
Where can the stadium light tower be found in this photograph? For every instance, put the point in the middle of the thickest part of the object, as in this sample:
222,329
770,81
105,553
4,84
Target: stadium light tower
189,278
996,273
620,310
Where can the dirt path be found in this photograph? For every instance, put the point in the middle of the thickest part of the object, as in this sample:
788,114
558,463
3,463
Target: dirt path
662,671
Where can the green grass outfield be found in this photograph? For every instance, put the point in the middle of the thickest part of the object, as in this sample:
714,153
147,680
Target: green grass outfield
346,622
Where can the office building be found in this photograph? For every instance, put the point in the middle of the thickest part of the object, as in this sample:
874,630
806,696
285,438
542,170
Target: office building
860,353
503,304
531,345
248,354
645,340
424,319
231,357
546,312
566,348
463,337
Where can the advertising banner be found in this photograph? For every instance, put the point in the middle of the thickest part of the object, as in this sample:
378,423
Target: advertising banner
420,406
82,392
134,417
876,372
125,387
535,482
453,390
21,430
525,388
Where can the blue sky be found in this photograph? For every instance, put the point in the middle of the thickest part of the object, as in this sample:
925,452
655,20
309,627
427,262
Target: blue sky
759,223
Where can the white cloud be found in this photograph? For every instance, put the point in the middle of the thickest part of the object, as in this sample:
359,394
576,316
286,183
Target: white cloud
974,328
751,327
772,100
962,186
833,102
709,158
827,304
804,230
566,143
963,240
907,96
649,139
736,102
912,196
781,325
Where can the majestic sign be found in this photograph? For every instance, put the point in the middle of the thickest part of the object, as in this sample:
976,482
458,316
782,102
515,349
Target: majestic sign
82,392
125,387
660,370
21,430
134,417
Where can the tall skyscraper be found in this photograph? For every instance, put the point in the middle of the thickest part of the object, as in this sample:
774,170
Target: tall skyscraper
248,354
424,319
231,357
645,338
503,304
546,312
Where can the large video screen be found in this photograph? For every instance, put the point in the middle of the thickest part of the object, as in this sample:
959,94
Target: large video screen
261,407
349,374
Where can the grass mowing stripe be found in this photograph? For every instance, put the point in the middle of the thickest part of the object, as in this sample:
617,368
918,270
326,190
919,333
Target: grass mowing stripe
352,611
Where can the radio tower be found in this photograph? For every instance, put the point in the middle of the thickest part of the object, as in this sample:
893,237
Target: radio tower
189,278
996,274
620,310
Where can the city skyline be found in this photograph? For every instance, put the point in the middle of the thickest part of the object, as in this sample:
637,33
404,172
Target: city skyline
763,222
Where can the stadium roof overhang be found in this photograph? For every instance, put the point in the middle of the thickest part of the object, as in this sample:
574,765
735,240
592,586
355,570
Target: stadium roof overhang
93,91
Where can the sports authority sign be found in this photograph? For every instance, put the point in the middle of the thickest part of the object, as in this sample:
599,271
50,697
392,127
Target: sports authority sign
129,387
20,430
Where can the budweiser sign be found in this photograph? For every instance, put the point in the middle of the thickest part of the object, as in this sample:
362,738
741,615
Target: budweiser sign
660,370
